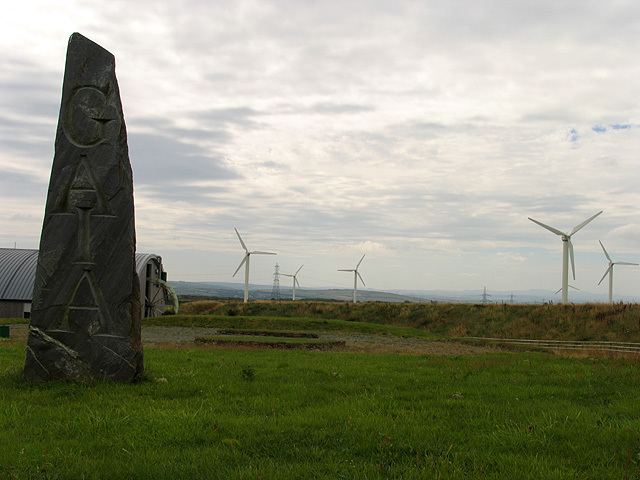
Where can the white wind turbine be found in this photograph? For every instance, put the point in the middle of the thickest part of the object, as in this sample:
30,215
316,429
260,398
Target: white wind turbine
245,261
295,280
610,271
567,249
356,274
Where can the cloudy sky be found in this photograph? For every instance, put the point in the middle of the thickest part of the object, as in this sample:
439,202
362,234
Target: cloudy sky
420,133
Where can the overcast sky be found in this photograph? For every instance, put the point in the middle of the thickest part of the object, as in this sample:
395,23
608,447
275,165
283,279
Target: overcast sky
420,133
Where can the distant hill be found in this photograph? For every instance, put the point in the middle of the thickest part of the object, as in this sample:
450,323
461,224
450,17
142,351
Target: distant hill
519,296
263,292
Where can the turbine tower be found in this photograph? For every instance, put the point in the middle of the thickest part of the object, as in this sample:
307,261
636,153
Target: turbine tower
295,281
567,250
610,271
245,262
356,274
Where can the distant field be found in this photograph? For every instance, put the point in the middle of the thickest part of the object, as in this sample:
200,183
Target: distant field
264,414
273,323
618,322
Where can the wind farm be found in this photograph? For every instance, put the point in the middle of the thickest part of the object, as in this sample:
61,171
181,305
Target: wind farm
417,295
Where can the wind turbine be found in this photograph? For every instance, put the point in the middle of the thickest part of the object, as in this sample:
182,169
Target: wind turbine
610,271
295,280
567,249
356,274
245,261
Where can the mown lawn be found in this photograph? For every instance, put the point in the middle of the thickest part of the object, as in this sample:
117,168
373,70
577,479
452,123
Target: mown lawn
223,413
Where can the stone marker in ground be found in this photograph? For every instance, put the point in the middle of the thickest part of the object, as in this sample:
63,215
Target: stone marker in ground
86,316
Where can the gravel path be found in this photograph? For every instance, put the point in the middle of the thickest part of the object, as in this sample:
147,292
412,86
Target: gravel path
355,342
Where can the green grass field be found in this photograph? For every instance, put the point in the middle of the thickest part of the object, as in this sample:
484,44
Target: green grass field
263,414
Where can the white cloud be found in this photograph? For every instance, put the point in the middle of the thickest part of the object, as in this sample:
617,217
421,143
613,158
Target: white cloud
412,129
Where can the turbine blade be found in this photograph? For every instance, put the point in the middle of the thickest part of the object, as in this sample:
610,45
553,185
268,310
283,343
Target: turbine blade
583,224
241,242
342,270
606,272
575,288
625,263
299,269
573,262
558,290
360,261
286,275
241,263
551,229
605,251
296,281
361,279
257,252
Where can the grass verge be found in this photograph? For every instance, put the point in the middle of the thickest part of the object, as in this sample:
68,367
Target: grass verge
270,342
13,321
283,324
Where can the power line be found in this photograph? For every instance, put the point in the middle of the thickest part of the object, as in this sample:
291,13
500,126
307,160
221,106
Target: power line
275,291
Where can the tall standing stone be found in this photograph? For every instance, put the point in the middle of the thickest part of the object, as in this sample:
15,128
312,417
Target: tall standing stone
85,317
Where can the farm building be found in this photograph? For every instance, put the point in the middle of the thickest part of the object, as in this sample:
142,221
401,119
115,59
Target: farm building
18,272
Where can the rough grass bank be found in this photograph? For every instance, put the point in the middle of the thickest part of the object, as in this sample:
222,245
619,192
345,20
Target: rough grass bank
618,322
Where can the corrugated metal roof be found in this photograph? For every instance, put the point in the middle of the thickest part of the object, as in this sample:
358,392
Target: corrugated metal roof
18,272
141,261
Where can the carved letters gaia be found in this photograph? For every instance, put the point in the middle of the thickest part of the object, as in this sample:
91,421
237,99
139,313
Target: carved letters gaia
85,321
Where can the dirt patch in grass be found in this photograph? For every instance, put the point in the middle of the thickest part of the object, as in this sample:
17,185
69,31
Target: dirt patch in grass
268,333
273,342
184,337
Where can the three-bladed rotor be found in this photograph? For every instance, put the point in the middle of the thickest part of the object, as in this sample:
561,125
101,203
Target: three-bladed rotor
356,275
611,263
245,262
567,251
294,276
609,271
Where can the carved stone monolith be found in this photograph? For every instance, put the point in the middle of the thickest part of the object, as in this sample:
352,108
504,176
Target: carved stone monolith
85,317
